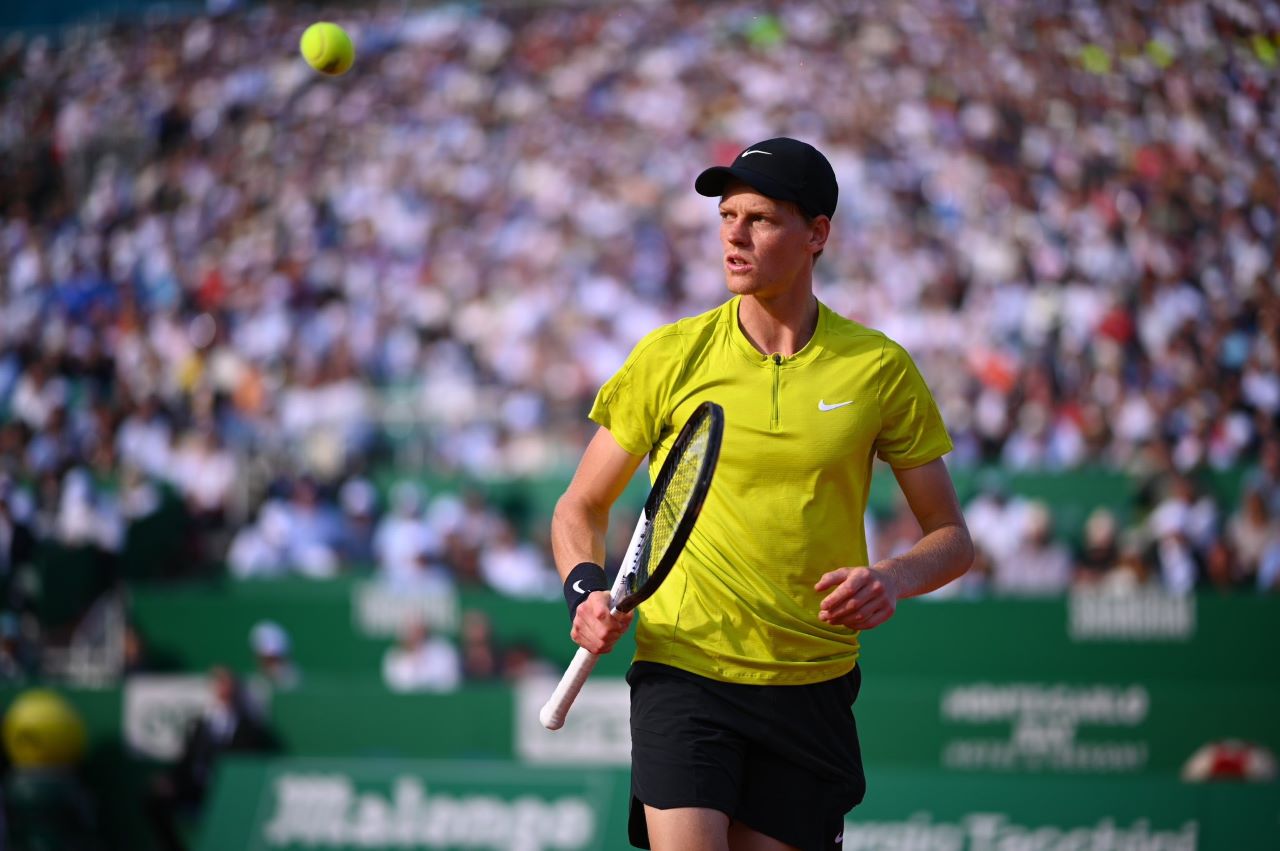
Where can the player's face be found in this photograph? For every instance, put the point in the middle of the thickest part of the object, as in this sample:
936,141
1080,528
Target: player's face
768,245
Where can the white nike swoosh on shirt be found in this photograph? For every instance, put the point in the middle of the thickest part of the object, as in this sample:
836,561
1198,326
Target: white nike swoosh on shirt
823,406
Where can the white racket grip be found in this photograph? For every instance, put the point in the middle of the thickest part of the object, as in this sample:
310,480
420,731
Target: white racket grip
556,709
557,706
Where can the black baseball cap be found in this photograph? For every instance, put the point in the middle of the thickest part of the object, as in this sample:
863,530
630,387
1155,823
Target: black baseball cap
782,168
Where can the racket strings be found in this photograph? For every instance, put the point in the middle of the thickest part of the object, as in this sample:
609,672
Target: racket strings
677,493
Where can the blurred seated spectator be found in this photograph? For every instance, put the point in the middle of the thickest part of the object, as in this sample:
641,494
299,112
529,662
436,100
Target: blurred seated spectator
205,472
1269,569
465,524
87,516
1177,561
358,500
1265,478
1132,572
1186,511
145,437
1222,571
405,545
1101,547
1038,565
230,724
481,656
315,530
422,661
17,541
260,550
520,660
19,649
273,657
517,568
996,520
1251,530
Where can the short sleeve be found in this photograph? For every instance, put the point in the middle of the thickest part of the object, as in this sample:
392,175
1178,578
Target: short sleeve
911,428
632,404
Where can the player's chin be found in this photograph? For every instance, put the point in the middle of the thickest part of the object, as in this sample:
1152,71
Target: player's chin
741,283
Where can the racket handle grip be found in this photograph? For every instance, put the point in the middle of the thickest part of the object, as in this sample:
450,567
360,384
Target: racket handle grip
557,706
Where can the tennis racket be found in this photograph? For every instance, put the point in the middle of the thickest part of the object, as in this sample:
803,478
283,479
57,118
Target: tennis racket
669,513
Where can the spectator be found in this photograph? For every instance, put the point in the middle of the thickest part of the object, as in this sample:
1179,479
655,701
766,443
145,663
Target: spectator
1176,560
520,660
261,549
1132,573
996,521
204,472
19,654
422,661
1101,548
359,502
1251,531
481,657
230,724
315,529
517,569
275,668
405,544
1038,566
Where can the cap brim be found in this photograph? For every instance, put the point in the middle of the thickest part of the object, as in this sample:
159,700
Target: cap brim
713,181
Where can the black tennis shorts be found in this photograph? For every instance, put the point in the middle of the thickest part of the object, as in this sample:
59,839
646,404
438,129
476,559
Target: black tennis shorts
782,760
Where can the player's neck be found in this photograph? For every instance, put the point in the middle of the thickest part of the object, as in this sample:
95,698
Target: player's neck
782,324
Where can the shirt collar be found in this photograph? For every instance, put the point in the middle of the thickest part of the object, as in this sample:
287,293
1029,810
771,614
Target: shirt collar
750,352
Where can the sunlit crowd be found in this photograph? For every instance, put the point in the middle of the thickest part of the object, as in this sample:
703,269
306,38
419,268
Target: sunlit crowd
229,281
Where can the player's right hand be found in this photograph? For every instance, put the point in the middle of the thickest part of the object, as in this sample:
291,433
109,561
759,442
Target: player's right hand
595,627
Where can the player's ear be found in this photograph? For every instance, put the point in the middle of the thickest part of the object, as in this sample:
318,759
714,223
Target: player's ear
819,230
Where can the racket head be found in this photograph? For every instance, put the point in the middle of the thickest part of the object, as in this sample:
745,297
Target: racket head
674,502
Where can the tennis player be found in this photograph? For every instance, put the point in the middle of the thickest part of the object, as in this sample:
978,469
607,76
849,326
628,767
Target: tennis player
746,666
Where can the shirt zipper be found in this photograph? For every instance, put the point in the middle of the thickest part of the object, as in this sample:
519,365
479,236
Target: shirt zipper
775,417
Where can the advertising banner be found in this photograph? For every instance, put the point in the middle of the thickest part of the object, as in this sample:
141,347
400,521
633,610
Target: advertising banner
345,805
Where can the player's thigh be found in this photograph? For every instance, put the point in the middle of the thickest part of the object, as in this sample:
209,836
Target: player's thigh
687,829
684,754
743,838
791,805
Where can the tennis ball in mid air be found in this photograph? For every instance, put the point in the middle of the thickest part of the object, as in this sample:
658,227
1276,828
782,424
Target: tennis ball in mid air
327,48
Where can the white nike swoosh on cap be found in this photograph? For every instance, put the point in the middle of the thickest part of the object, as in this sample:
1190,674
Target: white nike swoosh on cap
823,406
754,151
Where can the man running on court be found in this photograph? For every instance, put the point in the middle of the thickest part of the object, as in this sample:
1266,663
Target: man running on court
746,666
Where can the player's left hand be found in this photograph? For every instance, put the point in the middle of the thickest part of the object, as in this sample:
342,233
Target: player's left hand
860,598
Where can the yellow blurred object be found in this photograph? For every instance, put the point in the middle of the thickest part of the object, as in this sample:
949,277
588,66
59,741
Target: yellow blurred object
327,48
42,729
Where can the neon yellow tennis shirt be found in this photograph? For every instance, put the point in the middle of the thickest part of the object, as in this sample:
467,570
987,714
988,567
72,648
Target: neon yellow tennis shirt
789,494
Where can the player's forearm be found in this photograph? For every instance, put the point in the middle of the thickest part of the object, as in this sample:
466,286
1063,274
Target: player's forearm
944,554
577,533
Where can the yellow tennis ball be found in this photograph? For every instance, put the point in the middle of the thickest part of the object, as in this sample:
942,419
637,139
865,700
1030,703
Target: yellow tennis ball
327,48
42,729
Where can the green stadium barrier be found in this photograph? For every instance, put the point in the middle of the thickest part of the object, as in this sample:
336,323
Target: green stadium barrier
1071,494
1206,638
344,805
1080,689
196,627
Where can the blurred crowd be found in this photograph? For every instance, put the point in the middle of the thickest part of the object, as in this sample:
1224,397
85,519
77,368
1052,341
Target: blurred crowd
1175,538
233,283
